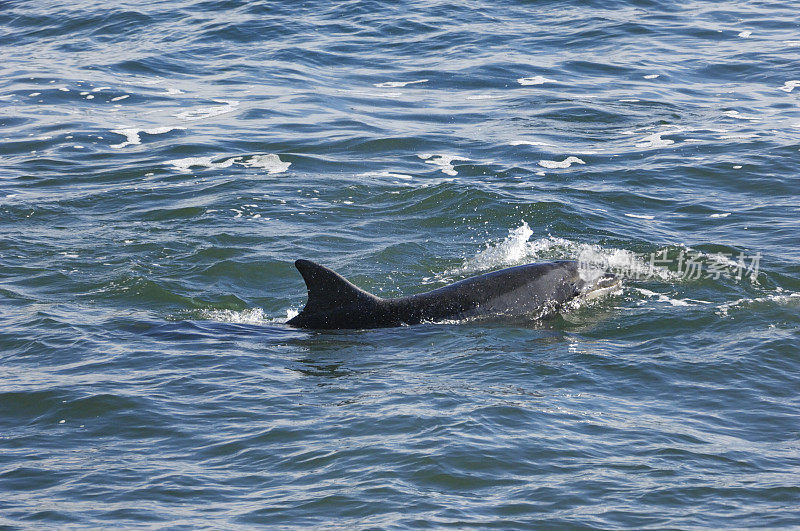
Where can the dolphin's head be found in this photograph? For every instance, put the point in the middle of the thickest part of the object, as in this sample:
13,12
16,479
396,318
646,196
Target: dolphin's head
597,283
578,281
574,280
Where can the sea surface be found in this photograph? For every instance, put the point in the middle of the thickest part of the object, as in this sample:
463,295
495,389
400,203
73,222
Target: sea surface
163,163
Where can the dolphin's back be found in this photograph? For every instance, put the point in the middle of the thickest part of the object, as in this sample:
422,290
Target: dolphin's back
515,291
532,289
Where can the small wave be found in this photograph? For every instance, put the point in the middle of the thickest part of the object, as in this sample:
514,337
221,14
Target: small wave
646,217
398,84
529,143
386,174
739,116
669,300
780,299
201,113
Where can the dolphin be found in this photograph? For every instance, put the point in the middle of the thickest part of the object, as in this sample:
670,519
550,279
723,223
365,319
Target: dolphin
533,290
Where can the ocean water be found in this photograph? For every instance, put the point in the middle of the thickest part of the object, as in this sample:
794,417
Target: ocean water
162,164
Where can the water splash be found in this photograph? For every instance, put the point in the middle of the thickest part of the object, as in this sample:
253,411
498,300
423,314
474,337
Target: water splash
518,248
254,316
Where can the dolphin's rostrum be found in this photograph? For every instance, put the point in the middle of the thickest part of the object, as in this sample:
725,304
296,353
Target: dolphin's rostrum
535,290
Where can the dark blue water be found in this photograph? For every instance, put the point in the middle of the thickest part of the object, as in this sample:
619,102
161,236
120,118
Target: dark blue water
162,164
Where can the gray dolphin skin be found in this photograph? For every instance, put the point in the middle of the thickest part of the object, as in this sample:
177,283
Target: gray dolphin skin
536,290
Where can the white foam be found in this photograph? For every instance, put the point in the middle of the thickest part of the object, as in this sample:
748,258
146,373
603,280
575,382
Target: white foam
205,162
98,89
270,162
173,91
651,76
120,98
444,161
535,80
566,163
721,215
132,135
745,34
655,141
398,84
202,113
790,85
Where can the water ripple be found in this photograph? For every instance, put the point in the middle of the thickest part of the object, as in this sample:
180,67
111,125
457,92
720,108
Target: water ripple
163,165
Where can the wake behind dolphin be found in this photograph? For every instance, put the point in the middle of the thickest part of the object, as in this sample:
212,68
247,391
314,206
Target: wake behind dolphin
535,290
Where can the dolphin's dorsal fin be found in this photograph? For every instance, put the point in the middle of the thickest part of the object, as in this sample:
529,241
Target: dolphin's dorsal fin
327,289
